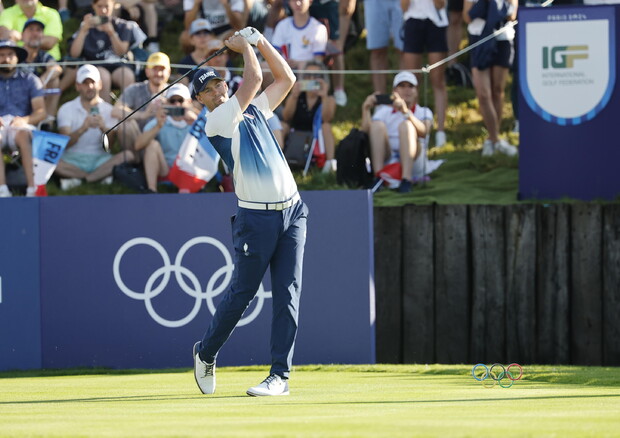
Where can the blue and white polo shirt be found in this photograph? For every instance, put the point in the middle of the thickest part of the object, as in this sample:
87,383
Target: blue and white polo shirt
248,147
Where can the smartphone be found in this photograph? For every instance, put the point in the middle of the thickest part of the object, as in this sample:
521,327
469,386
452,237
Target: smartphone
309,85
174,110
94,110
100,19
384,99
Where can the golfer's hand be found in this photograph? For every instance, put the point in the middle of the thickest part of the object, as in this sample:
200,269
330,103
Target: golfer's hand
236,43
250,34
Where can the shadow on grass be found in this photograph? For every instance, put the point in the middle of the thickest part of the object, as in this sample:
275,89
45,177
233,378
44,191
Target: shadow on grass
129,398
87,372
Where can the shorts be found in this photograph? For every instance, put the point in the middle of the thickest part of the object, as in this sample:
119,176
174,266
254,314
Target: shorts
86,162
455,5
504,53
327,13
383,19
7,133
422,36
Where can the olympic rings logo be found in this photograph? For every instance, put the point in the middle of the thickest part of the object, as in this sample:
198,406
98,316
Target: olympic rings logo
221,277
505,378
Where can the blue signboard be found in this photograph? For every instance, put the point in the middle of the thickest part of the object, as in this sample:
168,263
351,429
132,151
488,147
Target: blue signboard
20,312
569,102
133,281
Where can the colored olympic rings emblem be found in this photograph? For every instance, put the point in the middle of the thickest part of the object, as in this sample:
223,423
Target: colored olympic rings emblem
152,289
497,373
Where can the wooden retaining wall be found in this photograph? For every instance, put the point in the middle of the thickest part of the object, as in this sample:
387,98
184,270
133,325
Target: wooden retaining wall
478,283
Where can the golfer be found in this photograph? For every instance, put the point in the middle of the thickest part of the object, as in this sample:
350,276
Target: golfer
270,225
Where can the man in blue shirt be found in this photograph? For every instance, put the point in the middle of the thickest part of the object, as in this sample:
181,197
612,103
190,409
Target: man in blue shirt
21,109
269,228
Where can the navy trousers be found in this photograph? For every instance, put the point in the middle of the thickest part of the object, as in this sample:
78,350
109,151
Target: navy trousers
261,239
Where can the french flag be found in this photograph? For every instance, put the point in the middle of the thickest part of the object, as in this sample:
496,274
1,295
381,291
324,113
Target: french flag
197,160
47,148
317,148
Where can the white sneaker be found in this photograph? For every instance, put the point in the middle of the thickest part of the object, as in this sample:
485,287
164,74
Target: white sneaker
69,183
341,97
272,385
204,373
31,192
107,180
505,148
5,192
488,148
516,128
329,166
440,139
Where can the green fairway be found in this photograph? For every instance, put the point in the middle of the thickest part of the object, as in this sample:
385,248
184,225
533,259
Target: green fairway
325,401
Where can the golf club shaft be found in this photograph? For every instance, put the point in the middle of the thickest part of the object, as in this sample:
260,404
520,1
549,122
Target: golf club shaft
219,52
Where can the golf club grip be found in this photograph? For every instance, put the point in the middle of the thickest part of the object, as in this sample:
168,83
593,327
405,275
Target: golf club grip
193,69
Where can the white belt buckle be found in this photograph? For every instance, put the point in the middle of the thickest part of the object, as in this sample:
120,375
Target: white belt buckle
280,206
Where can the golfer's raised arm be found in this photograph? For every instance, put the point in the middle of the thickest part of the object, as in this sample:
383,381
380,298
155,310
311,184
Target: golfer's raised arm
252,73
282,74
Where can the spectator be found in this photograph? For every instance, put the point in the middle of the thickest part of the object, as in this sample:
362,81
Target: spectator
302,105
157,75
200,37
490,64
425,27
12,22
104,37
224,18
32,35
300,38
21,108
162,136
455,27
396,131
331,13
383,19
63,10
85,119
143,12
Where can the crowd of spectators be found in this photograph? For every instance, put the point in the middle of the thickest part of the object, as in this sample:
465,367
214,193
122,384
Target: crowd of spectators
310,34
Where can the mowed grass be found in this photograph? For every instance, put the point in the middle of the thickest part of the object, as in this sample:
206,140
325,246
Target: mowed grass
325,401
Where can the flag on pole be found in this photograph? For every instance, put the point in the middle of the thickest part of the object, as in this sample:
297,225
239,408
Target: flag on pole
47,147
197,160
317,153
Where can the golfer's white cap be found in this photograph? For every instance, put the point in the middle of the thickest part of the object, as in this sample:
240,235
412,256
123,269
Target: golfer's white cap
87,71
178,90
405,76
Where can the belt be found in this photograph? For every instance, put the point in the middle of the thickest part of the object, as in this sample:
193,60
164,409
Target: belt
269,205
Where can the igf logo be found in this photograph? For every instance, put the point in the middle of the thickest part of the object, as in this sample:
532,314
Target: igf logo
563,56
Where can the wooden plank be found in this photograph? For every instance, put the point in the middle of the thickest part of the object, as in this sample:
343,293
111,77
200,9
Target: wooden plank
611,285
586,284
388,275
488,330
452,282
552,307
418,285
521,284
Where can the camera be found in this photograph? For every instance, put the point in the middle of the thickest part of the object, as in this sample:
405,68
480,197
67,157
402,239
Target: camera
100,19
174,111
94,110
384,99
309,85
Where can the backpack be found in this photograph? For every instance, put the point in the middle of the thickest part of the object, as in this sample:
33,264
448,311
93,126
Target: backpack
352,156
297,148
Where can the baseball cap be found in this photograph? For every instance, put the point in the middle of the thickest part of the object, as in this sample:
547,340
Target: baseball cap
405,76
198,25
158,59
178,90
21,53
202,78
32,21
87,71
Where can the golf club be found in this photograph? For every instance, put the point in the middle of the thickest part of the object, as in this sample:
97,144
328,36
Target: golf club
104,139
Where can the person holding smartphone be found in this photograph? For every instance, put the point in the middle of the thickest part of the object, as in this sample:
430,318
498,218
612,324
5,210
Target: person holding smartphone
309,96
163,135
397,130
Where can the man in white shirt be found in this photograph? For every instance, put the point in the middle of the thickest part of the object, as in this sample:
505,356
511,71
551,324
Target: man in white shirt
269,228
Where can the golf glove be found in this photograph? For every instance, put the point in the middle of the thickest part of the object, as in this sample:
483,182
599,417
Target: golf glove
250,34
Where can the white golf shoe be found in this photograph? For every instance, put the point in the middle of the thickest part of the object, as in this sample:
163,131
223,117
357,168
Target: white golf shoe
488,148
272,385
204,373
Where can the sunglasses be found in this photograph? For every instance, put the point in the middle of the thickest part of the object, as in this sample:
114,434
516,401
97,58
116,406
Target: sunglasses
176,100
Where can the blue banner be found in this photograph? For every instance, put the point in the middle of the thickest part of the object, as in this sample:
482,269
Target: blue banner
568,102
20,310
133,281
